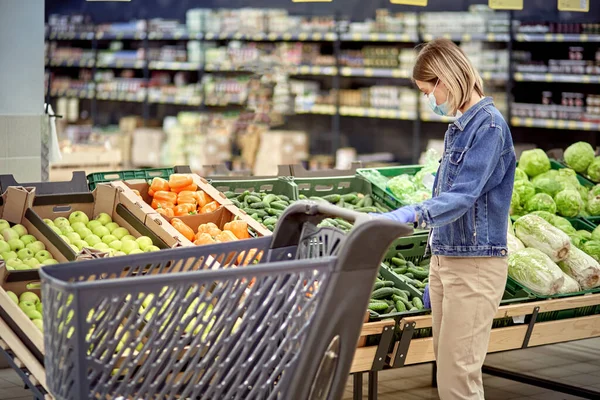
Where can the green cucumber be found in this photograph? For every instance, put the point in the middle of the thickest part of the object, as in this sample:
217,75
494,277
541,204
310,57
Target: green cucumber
409,275
419,273
350,198
274,212
332,198
284,198
382,293
400,271
360,203
344,223
268,199
302,197
417,302
397,297
401,262
368,201
251,199
378,306
278,205
366,209
378,285
229,194
270,220
400,306
341,203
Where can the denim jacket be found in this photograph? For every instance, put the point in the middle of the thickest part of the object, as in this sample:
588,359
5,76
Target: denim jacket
468,212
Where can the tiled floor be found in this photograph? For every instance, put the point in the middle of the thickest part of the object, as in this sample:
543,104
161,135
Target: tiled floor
576,363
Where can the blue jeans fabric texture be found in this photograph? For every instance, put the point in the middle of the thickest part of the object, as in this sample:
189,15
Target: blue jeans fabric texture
468,212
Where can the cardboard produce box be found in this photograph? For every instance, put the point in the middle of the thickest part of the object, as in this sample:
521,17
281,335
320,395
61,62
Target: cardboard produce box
121,204
15,208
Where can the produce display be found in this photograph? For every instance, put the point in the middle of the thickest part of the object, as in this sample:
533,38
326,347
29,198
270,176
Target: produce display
558,258
210,233
415,275
581,156
21,250
179,196
31,305
387,299
101,233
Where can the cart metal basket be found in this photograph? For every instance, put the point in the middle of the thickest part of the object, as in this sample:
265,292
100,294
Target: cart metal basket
169,325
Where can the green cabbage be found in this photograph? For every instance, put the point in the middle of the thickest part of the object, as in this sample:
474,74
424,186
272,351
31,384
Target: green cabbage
534,162
552,174
520,175
570,285
596,234
536,232
593,205
592,248
515,204
568,178
548,186
585,235
595,191
525,190
514,244
593,171
576,240
581,267
536,271
555,220
568,203
579,156
541,202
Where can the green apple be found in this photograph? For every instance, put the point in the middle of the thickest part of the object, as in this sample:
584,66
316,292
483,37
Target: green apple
50,261
150,249
73,236
9,255
115,244
39,307
101,246
75,248
10,234
4,224
78,216
20,229
65,239
111,226
134,251
101,231
119,253
13,264
81,244
13,296
56,229
4,247
129,245
16,244
27,306
78,225
23,267
48,222
127,237
84,232
66,229
43,255
29,296
120,233
92,239
32,263
144,241
61,221
25,254
28,239
39,324
33,314
36,246
108,239
104,218
93,224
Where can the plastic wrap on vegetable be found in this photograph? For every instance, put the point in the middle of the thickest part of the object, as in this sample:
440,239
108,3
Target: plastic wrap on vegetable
536,232
570,285
536,271
514,244
581,267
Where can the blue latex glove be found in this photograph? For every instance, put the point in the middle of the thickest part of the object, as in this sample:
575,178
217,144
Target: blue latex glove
404,215
426,300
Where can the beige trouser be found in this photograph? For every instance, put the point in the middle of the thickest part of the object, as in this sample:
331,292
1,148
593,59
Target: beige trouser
465,294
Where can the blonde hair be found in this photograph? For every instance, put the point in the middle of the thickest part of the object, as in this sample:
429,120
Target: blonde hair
442,59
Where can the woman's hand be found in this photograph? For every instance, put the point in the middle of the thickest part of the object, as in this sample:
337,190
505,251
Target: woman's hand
404,215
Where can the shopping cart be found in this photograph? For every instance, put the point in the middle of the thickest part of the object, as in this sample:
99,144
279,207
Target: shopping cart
169,324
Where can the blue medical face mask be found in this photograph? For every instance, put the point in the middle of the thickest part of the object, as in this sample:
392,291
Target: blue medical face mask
442,109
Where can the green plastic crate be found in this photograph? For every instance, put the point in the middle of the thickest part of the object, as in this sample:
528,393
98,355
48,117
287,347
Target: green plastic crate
149,173
582,178
412,248
400,284
278,186
380,192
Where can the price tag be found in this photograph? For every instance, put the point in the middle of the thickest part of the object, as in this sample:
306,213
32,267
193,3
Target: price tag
528,122
303,36
421,3
518,76
396,73
427,37
574,5
177,35
548,77
356,37
560,124
390,37
369,72
506,4
466,38
549,123
317,36
330,36
287,36
346,71
573,125
374,37
519,319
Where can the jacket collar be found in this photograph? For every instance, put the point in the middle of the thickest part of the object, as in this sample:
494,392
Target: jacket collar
464,119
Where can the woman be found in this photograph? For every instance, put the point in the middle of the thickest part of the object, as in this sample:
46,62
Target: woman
468,215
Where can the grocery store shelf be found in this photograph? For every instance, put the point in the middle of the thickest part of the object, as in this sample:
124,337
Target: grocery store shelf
466,37
226,67
164,99
174,36
376,72
314,70
174,66
71,36
122,96
556,37
272,37
531,77
365,112
80,94
138,64
72,63
379,37
494,76
322,109
120,35
555,124
430,117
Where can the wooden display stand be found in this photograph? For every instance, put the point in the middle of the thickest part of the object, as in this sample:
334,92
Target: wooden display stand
408,351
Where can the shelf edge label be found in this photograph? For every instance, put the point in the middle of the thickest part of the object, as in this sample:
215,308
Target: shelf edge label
574,5
420,3
506,4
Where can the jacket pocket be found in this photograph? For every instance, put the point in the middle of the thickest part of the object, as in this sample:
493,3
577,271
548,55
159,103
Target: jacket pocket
455,159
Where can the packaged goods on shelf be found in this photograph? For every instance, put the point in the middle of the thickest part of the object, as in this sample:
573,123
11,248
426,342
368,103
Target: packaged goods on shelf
557,27
479,20
132,27
75,23
279,148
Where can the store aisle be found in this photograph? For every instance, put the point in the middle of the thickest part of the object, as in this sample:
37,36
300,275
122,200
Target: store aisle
575,363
